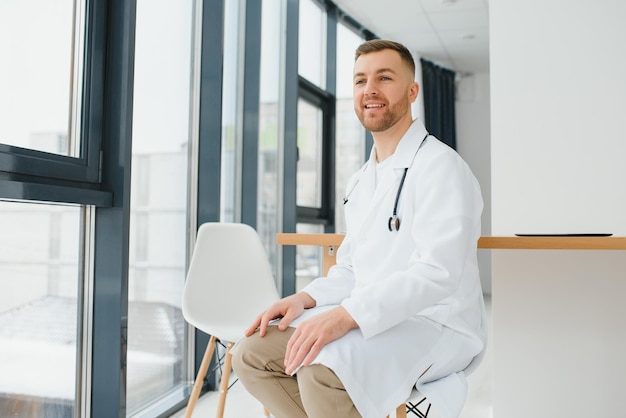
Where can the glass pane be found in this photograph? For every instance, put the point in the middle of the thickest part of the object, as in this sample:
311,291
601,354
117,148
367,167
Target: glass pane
312,43
39,275
349,134
230,109
267,215
309,258
159,203
36,75
309,169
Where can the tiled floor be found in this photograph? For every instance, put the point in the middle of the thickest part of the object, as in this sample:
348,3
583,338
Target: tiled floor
240,404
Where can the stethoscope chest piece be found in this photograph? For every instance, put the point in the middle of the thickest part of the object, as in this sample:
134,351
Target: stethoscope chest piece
394,223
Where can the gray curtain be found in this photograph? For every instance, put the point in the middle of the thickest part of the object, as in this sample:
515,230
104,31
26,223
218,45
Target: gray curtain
439,92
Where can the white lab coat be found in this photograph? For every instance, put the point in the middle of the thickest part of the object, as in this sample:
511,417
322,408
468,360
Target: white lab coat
414,293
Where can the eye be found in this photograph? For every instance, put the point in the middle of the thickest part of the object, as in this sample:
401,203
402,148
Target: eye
385,78
359,81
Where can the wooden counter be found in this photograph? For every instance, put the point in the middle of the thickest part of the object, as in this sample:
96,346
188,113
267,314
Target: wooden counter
552,243
330,242
487,242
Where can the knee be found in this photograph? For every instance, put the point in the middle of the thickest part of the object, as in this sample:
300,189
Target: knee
255,353
241,360
323,394
316,376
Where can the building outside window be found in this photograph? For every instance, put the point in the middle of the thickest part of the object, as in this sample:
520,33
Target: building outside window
42,83
349,133
43,246
40,309
270,108
159,222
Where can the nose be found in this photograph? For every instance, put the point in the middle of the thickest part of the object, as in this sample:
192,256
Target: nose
370,88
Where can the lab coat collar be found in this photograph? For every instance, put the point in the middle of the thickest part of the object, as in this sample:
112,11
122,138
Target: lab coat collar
409,144
407,147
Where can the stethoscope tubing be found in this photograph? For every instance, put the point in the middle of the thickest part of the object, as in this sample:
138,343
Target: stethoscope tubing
393,224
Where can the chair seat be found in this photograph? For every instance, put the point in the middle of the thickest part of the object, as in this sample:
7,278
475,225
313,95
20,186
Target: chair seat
224,333
416,404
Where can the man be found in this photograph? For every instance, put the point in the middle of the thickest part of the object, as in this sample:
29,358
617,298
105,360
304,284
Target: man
403,305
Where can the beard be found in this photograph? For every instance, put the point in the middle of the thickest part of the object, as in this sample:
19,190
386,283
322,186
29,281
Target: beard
381,122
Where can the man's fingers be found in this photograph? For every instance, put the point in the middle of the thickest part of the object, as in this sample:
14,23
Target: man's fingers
313,352
285,321
252,329
292,346
297,349
265,320
289,347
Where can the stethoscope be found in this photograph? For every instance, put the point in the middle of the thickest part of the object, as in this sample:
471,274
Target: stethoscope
393,224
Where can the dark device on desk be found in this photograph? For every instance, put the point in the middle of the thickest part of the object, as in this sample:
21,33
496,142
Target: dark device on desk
565,235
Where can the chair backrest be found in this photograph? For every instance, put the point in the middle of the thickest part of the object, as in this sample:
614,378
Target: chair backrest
229,281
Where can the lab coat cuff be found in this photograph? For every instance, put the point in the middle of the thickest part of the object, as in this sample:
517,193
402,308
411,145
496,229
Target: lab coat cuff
362,316
315,294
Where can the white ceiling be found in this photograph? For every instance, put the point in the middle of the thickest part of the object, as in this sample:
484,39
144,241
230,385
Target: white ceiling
451,33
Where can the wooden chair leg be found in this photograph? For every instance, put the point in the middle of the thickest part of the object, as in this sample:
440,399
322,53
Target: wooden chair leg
401,411
228,362
197,386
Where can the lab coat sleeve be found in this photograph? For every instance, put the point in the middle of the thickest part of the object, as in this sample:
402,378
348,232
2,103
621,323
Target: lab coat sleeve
426,267
339,283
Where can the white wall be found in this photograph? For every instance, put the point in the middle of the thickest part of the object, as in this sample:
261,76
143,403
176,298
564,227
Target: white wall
558,142
473,144
558,102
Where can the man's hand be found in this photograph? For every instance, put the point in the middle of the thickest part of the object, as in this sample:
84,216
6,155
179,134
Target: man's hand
313,334
288,309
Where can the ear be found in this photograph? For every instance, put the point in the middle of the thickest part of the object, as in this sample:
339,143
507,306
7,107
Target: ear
413,91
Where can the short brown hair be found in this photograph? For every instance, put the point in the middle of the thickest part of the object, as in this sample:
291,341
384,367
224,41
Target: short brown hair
376,45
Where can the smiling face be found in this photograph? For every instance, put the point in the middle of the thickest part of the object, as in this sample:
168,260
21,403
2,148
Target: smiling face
383,90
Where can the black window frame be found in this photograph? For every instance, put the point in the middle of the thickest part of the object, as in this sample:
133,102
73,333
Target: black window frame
323,100
31,174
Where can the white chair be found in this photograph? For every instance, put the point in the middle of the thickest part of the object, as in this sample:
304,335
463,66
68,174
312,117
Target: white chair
417,403
229,283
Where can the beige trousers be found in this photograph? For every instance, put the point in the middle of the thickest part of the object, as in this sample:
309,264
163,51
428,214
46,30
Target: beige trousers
315,391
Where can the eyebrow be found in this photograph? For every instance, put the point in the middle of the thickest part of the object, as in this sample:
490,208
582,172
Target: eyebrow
379,71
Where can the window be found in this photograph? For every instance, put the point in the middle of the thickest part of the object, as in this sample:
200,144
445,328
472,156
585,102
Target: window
157,345
350,134
315,137
40,309
315,156
43,121
75,249
310,146
231,125
270,108
312,43
37,79
309,258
